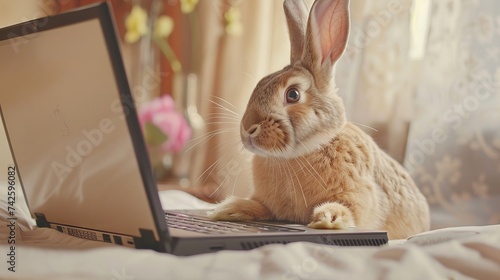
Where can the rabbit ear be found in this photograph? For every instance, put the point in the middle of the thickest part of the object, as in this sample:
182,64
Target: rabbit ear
296,13
327,33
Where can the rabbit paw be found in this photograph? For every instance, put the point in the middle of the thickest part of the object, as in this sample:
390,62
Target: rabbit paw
331,215
239,209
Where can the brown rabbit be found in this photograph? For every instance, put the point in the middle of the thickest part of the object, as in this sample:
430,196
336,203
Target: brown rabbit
311,166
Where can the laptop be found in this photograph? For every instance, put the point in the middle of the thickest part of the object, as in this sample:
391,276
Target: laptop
71,124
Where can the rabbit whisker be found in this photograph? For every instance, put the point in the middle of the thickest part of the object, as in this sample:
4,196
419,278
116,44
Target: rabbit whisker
237,175
317,176
251,66
224,143
205,138
366,126
290,189
224,117
220,106
296,179
211,168
223,113
215,165
223,181
225,101
275,177
226,122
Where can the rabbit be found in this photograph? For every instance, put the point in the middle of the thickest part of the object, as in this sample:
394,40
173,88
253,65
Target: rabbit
311,166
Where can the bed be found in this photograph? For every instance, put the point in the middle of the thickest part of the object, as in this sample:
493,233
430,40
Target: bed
41,253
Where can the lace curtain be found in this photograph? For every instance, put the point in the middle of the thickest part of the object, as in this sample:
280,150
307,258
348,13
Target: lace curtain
375,75
426,75
454,144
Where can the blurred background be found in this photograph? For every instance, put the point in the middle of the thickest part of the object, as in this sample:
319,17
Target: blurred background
421,76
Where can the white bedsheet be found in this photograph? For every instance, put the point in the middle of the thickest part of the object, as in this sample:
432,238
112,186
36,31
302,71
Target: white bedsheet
472,253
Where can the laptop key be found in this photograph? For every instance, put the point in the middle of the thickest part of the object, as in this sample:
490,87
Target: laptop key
198,224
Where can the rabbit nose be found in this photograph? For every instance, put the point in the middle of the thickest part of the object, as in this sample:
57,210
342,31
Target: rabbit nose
254,130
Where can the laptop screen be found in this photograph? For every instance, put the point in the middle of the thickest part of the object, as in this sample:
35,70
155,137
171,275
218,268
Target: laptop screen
68,131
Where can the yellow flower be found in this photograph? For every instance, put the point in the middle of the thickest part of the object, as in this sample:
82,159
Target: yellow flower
163,27
187,6
136,24
233,21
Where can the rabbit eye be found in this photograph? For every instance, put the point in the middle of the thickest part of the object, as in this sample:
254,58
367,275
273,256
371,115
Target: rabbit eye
292,95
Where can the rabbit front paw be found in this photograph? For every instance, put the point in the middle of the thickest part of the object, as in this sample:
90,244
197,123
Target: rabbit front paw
331,215
239,209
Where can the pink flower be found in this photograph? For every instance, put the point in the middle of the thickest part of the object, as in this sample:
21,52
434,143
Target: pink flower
163,126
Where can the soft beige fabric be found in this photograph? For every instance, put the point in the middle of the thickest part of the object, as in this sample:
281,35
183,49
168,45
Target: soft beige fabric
460,253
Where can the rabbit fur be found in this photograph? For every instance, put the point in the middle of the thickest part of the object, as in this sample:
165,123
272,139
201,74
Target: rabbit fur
311,166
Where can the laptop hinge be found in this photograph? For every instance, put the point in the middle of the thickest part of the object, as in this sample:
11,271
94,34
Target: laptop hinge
41,221
148,241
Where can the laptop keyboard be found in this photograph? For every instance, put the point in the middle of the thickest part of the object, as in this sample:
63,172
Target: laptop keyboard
198,224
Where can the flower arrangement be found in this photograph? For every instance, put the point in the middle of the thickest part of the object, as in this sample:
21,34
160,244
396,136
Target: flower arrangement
165,130
164,127
136,25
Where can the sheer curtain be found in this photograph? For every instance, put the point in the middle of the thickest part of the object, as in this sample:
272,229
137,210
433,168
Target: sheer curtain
454,144
375,75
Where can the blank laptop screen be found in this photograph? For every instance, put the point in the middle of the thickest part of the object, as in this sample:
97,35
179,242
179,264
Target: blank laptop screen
68,132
